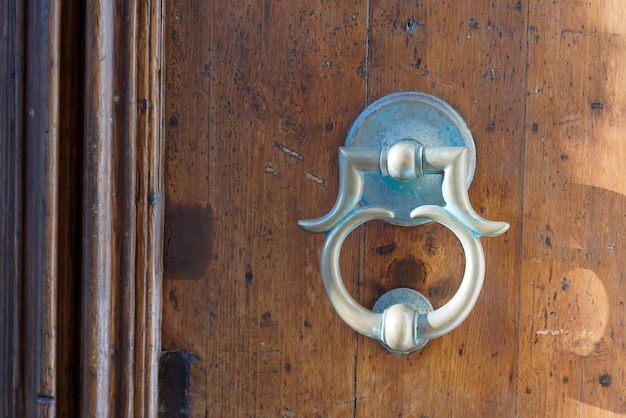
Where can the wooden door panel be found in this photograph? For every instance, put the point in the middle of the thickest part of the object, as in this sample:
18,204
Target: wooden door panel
259,98
572,289
470,55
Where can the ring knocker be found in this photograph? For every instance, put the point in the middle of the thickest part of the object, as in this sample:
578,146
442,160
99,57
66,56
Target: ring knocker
408,159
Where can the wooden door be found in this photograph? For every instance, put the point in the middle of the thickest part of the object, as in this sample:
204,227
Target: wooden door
260,95
238,109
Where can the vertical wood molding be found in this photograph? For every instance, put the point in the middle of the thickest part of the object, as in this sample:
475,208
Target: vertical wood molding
152,209
81,207
122,216
41,117
11,203
97,275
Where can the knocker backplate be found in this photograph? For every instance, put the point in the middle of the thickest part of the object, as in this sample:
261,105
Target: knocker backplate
413,116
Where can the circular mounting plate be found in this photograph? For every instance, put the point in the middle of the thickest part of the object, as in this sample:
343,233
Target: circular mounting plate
415,116
410,297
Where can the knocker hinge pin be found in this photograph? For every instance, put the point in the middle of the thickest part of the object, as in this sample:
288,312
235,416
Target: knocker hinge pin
405,161
402,161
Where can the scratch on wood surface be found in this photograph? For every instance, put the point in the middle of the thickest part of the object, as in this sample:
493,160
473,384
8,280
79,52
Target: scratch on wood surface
552,332
270,170
436,80
425,75
288,151
567,121
312,177
568,31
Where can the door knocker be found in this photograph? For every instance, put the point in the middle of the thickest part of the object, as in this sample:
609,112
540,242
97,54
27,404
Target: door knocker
408,159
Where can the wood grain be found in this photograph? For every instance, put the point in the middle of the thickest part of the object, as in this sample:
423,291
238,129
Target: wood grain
241,120
11,204
572,333
41,95
258,102
82,213
122,227
97,224
470,55
539,85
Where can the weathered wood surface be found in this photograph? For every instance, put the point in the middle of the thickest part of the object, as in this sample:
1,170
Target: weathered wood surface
29,206
122,209
81,203
472,55
259,98
572,356
11,203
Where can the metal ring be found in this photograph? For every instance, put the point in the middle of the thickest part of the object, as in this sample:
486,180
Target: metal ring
399,327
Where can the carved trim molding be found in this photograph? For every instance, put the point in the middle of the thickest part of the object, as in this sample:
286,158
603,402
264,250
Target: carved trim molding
81,159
